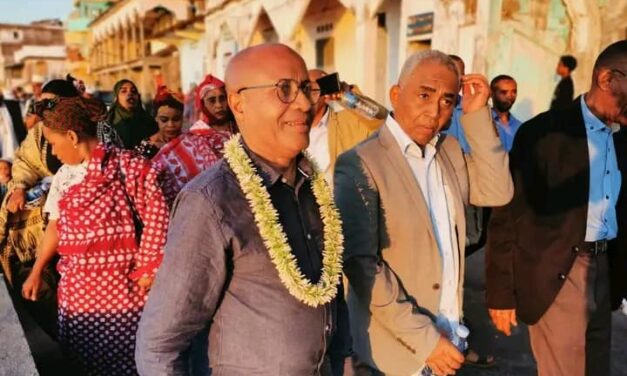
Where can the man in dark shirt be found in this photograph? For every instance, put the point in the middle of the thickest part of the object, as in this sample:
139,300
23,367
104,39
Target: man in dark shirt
565,90
217,269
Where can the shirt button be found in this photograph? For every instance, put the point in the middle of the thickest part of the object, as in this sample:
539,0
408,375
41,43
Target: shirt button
607,172
607,197
308,236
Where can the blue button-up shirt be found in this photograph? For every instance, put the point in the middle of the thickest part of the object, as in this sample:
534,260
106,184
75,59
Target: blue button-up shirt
605,178
506,132
455,129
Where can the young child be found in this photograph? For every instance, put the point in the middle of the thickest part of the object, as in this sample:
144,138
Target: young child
5,177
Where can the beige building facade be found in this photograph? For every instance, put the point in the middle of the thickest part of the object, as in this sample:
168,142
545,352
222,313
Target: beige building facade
36,49
139,40
367,41
178,42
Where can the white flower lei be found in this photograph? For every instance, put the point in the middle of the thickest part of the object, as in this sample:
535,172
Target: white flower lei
274,238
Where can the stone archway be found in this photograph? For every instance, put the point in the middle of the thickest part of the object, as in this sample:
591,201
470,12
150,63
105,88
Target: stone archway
263,30
226,47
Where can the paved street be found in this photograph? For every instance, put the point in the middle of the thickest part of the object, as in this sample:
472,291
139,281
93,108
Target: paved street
514,353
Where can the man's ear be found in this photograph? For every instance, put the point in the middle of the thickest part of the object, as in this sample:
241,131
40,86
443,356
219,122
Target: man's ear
395,92
236,103
604,79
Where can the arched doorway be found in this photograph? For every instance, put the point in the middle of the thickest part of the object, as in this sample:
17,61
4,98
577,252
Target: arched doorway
264,31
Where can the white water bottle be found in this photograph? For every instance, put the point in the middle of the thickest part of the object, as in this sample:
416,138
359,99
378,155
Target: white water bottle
365,106
459,339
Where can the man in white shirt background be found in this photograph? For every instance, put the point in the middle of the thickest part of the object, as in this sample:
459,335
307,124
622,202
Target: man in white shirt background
332,131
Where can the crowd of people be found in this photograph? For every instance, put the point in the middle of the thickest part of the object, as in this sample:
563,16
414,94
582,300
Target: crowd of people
268,230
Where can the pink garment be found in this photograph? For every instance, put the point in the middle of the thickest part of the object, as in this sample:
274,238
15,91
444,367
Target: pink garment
188,155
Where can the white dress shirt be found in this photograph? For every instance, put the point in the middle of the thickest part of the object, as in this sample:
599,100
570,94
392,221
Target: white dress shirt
319,146
8,141
439,201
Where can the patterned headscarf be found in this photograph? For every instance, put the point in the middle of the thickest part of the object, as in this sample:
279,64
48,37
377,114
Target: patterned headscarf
74,114
167,97
210,83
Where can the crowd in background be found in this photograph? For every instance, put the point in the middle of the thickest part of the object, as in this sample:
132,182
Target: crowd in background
87,190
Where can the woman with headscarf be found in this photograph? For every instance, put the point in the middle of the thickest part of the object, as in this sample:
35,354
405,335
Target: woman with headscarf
128,117
168,109
202,146
214,108
108,223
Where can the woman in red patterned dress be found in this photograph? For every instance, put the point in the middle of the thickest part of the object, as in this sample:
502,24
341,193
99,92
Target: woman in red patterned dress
108,222
201,147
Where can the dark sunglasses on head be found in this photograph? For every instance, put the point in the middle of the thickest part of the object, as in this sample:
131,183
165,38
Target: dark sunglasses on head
38,107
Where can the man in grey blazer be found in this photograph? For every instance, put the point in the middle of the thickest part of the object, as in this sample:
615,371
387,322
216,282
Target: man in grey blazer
401,194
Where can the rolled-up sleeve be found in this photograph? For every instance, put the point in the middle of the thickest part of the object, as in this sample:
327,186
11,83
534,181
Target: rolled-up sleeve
187,288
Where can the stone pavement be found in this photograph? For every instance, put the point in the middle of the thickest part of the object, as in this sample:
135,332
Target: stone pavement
15,354
513,354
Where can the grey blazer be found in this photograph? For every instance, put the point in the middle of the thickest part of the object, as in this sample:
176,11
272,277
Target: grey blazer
392,260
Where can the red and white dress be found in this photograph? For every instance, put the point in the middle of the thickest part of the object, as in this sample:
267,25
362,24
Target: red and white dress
100,302
188,155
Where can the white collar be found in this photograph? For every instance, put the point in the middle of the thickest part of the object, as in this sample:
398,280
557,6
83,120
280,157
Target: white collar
403,140
324,120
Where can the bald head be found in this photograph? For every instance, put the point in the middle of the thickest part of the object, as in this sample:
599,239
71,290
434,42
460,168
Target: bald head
274,111
250,64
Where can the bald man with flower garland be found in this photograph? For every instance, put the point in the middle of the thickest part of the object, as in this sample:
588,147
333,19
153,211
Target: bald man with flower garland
255,244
